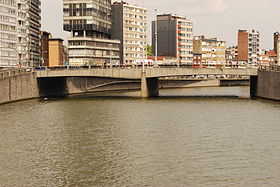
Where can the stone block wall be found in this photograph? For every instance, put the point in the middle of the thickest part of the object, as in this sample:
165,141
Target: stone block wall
268,85
18,86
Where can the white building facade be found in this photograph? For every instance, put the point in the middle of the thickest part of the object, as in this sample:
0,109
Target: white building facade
130,27
254,46
29,25
185,40
8,33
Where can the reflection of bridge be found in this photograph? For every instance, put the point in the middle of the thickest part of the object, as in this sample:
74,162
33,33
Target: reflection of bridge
82,80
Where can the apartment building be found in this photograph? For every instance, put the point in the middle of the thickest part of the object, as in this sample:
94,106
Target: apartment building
8,33
29,25
56,52
248,46
212,50
276,39
174,37
89,22
45,36
130,27
277,46
278,53
232,53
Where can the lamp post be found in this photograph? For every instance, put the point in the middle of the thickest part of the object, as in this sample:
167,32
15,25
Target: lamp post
110,57
156,39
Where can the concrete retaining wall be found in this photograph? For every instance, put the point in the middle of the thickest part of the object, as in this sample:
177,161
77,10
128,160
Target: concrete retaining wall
18,87
267,85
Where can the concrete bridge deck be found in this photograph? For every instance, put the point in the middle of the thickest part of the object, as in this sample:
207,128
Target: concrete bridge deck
136,73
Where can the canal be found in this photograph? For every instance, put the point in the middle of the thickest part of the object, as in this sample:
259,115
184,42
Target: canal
185,137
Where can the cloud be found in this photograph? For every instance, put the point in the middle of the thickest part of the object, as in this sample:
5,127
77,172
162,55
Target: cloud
186,7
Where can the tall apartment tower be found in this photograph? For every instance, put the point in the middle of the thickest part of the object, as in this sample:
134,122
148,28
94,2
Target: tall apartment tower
130,27
29,25
277,46
89,22
278,52
45,36
8,34
276,38
174,37
248,46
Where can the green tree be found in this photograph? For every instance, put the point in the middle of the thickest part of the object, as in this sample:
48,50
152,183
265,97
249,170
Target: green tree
149,50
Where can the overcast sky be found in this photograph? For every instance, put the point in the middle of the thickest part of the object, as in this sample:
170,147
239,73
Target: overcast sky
212,18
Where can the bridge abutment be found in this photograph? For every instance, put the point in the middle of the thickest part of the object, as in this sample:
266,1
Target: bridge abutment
266,85
149,86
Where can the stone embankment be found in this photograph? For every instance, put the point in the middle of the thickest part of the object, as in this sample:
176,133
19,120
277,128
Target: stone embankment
267,84
18,84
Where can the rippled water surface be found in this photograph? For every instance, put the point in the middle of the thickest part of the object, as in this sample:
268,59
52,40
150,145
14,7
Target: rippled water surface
166,141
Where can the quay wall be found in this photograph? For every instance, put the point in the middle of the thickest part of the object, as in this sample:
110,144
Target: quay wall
18,85
266,85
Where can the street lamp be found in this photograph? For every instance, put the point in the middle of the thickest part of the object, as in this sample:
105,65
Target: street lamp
156,44
110,57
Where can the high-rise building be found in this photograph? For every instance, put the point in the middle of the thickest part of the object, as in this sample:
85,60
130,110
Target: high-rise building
29,25
278,53
277,46
174,37
213,51
89,22
276,39
248,46
56,52
45,36
8,33
130,27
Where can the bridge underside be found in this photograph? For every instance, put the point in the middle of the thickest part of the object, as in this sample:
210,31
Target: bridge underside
64,86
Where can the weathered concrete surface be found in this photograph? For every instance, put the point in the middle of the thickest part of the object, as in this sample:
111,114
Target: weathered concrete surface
187,83
77,85
149,86
267,85
64,86
18,86
234,82
135,73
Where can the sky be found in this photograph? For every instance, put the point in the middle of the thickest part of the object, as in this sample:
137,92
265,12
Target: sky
212,18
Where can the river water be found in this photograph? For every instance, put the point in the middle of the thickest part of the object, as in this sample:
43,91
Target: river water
171,140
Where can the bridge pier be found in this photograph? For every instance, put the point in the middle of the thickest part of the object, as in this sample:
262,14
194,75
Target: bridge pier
253,86
149,86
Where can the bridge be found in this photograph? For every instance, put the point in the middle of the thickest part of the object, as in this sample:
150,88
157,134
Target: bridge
81,80
137,73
